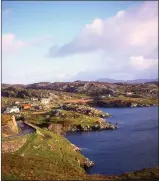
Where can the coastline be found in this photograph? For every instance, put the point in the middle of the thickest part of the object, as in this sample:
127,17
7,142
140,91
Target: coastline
144,173
133,172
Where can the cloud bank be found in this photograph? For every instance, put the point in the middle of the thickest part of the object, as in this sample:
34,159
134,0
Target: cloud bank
130,38
132,31
124,46
12,44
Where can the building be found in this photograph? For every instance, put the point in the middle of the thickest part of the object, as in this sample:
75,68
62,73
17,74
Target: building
103,97
34,99
17,102
129,93
13,109
106,96
45,101
26,106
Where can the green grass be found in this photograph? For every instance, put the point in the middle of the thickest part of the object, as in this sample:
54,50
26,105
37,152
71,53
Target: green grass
41,157
134,100
66,117
10,101
8,177
15,138
141,100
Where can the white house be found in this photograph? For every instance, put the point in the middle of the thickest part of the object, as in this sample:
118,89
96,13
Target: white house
45,101
129,93
106,96
34,99
13,109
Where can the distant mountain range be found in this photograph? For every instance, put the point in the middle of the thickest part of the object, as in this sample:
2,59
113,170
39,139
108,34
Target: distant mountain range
127,81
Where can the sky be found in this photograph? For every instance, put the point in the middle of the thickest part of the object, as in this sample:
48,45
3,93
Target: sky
69,41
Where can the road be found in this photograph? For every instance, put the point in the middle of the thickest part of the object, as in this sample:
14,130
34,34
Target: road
25,129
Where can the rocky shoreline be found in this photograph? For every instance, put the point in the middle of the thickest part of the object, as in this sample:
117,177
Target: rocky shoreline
84,118
84,109
96,127
64,130
119,104
87,163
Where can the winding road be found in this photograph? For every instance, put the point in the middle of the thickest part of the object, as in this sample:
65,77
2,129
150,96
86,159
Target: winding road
25,129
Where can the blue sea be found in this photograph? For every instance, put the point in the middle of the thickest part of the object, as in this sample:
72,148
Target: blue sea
133,146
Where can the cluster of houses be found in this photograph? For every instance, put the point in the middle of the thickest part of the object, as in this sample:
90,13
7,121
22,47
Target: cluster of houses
13,109
17,108
32,104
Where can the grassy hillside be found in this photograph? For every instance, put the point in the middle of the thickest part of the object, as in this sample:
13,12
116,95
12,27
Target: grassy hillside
44,157
51,157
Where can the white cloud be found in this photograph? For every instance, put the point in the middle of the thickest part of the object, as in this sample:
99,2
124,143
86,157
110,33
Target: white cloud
11,44
140,63
145,33
119,47
120,14
96,26
130,33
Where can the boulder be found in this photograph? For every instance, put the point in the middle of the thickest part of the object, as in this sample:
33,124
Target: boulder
87,163
75,148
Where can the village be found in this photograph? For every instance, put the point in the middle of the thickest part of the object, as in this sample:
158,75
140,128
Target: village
34,104
39,104
31,103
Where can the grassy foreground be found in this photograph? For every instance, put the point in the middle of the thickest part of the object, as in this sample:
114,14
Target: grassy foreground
48,156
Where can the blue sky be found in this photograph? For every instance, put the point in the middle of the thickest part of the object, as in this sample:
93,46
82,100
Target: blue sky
65,41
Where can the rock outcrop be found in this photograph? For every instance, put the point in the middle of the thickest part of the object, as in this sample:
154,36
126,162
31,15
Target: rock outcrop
9,125
56,128
76,148
95,127
74,117
83,109
87,164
